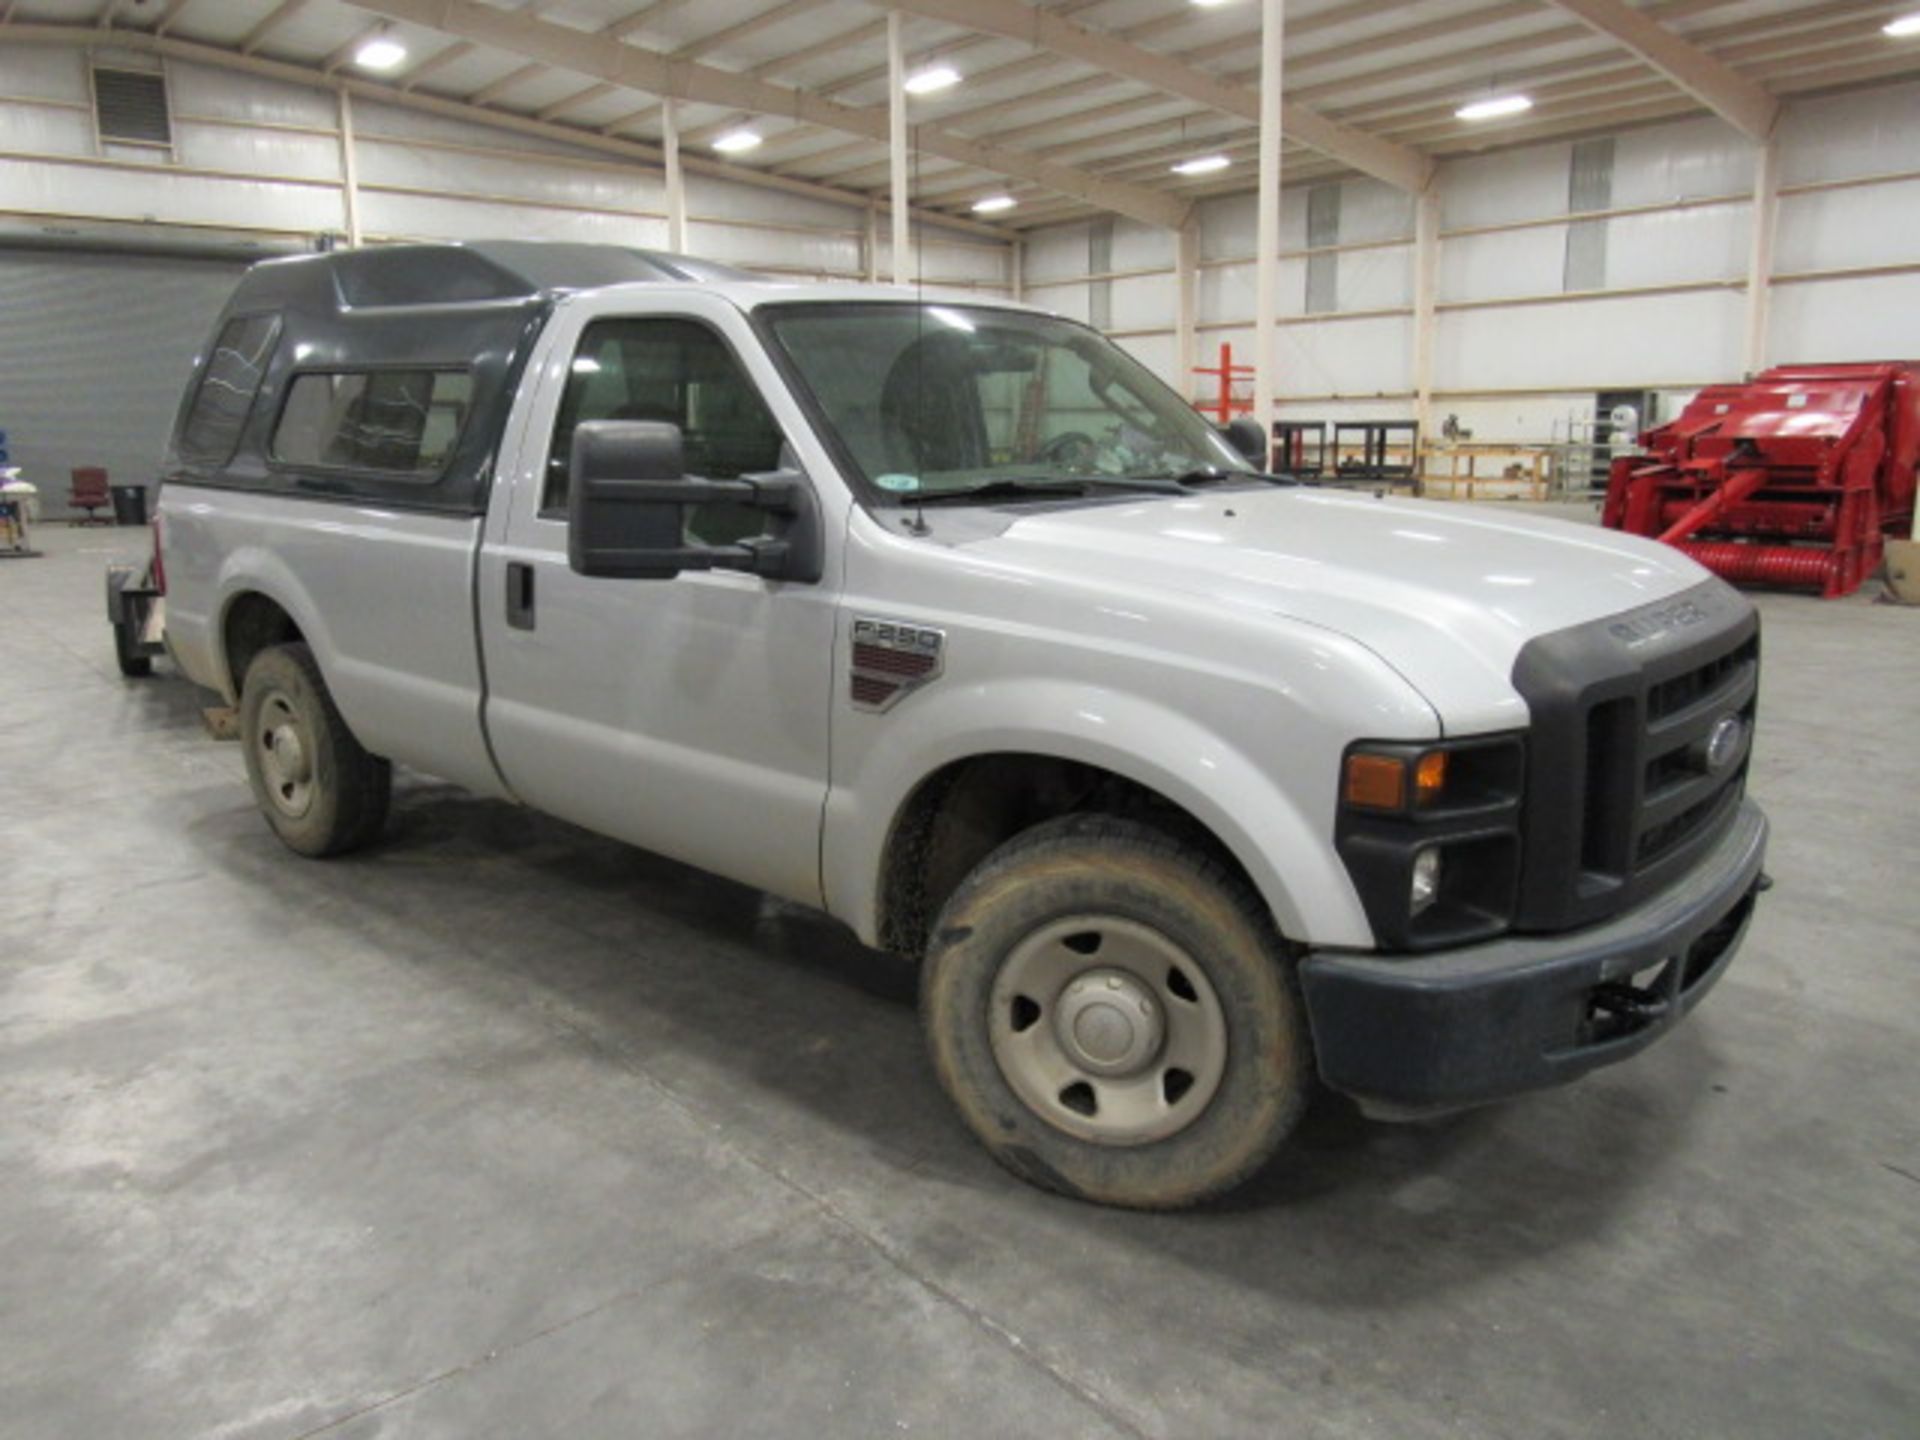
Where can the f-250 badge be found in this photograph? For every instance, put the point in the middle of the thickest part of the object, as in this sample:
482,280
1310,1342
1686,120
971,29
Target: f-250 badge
891,657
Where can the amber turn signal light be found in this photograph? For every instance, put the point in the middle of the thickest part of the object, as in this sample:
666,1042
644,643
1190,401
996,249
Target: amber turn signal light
1429,777
1376,782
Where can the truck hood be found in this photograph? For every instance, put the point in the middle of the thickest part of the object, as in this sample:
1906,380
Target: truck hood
1446,596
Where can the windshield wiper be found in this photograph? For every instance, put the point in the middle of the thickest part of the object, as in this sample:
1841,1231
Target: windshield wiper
1030,487
1012,489
1208,475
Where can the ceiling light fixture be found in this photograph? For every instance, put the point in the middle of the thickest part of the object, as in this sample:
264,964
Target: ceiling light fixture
1203,165
931,81
1496,107
381,52
994,204
737,142
1906,25
1210,4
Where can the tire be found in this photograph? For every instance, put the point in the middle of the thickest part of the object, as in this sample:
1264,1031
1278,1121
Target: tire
1038,915
321,792
133,665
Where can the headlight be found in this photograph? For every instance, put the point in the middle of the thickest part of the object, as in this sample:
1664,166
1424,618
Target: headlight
1431,837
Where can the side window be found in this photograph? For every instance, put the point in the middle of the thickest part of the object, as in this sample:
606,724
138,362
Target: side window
227,387
680,372
395,421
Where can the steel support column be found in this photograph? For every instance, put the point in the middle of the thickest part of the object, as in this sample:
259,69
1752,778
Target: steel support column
1267,262
349,172
676,179
897,147
1426,272
1766,212
1186,267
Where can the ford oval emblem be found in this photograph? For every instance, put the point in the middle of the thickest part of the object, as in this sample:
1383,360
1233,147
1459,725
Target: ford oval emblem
1723,743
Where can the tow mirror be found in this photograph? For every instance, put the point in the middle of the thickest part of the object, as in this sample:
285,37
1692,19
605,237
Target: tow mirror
629,500
1243,432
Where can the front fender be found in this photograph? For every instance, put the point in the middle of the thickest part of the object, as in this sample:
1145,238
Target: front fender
1274,814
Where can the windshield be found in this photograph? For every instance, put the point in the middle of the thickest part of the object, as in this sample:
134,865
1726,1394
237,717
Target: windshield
931,400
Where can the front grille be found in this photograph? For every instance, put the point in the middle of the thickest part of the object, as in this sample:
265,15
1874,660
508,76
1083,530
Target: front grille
1625,789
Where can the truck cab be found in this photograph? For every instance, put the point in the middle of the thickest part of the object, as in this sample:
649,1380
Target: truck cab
1182,783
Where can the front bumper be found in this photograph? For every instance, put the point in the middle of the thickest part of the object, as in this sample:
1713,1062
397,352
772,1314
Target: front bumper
1416,1034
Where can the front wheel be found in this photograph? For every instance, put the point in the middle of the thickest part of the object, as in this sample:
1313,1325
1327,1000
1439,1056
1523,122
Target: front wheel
1114,1017
322,793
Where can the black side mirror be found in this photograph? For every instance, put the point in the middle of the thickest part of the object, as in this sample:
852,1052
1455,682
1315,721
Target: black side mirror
629,497
1243,432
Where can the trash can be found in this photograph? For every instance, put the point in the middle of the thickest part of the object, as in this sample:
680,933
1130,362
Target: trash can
129,504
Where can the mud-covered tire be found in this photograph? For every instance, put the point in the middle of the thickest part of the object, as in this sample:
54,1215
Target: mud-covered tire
126,655
1147,885
320,790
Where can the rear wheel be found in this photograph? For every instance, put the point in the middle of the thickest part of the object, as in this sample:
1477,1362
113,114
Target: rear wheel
320,790
126,652
1114,1017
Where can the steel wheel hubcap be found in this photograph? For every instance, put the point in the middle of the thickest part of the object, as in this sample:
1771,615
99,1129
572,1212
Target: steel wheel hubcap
1108,1030
286,761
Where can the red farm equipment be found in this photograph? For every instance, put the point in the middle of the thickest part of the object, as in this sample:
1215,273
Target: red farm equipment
1794,478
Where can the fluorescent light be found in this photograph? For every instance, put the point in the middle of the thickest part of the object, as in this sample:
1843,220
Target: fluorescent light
932,80
382,52
1906,25
1210,4
736,142
1496,107
993,204
1204,165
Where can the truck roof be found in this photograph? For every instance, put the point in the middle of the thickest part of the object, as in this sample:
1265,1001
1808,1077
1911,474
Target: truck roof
488,272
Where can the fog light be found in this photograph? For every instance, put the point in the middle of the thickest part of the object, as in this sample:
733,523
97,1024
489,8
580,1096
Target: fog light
1426,880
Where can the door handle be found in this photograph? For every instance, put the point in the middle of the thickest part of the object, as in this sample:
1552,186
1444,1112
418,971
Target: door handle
519,595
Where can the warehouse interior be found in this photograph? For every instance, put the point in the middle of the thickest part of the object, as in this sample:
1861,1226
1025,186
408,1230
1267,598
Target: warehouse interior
504,1127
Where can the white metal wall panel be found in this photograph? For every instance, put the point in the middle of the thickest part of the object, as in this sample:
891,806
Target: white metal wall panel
459,172
97,349
258,152
229,95
1226,292
1137,246
1674,246
1831,229
44,130
1346,357
1591,344
1144,302
1056,254
430,217
1842,320
1503,263
1687,161
43,73
162,198
1501,188
1373,210
1376,279
1153,351
1862,132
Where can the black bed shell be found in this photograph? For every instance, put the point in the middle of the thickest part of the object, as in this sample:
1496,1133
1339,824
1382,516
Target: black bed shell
476,307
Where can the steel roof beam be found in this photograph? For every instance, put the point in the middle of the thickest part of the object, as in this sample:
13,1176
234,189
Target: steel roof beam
1742,103
633,68
1399,166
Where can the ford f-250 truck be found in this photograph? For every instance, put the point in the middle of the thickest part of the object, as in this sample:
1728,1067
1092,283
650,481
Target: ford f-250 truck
1186,786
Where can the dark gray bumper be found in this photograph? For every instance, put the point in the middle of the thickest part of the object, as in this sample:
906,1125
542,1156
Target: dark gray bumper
1419,1033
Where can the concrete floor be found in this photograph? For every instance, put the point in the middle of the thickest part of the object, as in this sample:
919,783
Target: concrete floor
504,1130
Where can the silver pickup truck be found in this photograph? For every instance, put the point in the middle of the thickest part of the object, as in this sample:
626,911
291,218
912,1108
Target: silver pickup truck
1186,786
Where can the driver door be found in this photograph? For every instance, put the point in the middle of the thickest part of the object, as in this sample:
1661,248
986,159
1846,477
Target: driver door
688,716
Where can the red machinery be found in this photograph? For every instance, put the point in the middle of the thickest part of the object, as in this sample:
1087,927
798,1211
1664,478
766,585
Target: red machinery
1794,478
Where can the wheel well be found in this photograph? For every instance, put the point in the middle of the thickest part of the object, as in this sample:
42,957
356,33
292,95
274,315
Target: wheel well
253,624
963,812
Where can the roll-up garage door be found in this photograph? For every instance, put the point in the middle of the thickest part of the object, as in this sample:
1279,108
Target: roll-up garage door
94,349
